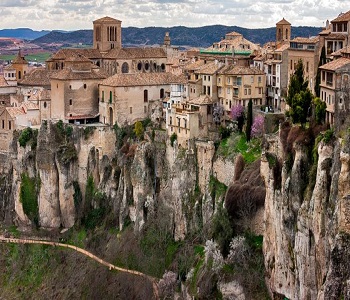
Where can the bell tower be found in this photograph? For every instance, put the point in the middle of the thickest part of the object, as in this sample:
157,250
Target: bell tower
107,34
283,31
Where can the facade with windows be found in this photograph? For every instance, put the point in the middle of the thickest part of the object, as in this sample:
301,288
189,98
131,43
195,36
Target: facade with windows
237,85
335,89
125,98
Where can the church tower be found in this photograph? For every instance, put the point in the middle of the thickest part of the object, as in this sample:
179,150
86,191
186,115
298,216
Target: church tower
107,34
283,31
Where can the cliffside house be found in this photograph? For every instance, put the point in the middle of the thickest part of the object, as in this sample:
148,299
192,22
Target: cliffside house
335,89
125,98
237,85
74,91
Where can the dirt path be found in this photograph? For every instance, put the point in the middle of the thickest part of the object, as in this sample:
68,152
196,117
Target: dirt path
86,253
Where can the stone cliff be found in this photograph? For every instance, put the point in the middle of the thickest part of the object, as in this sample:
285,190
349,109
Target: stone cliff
306,236
65,172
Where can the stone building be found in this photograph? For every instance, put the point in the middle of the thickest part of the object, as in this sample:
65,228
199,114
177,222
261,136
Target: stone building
126,98
107,34
74,91
16,70
237,85
335,89
191,119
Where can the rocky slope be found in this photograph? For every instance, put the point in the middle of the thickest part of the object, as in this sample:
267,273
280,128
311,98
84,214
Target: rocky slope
306,216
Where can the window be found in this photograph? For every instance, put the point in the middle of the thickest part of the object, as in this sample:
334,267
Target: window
84,86
259,79
146,66
139,66
307,67
45,104
103,96
204,90
249,91
145,96
130,110
3,124
161,93
110,96
70,87
171,121
205,77
252,79
162,66
291,64
228,90
208,78
245,91
9,125
125,68
70,102
209,90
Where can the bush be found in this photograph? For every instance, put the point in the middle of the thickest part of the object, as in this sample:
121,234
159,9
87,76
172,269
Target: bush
173,138
28,135
29,197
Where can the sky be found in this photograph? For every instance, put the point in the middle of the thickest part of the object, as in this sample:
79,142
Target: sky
79,14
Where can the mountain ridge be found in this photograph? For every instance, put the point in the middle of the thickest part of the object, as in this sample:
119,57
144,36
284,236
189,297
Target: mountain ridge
180,35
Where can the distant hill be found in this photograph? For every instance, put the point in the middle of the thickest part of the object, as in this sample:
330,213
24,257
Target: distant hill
180,35
23,33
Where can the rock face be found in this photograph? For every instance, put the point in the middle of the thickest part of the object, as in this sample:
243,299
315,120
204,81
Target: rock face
306,218
134,180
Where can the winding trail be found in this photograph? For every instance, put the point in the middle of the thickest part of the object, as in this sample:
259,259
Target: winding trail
153,280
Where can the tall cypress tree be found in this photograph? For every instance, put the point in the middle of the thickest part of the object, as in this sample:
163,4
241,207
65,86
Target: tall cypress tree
299,96
249,120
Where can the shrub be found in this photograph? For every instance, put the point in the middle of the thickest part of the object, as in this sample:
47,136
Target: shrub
173,138
29,197
28,135
138,129
258,126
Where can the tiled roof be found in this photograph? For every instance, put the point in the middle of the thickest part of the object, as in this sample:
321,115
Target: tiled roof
106,20
29,105
194,65
335,36
209,68
325,31
312,40
134,53
68,74
3,82
15,111
64,54
342,17
9,67
37,77
233,33
19,59
39,95
336,64
202,100
283,22
141,79
282,48
239,70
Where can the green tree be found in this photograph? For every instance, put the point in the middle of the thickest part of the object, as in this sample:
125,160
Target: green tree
249,120
299,96
138,129
318,76
320,110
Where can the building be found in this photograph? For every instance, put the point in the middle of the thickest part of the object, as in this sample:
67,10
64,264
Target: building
126,98
191,119
237,85
74,91
307,50
335,89
283,33
16,70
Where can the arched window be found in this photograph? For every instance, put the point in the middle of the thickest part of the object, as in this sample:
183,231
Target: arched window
45,104
161,93
139,66
84,86
162,66
19,75
286,34
125,67
146,66
145,96
70,102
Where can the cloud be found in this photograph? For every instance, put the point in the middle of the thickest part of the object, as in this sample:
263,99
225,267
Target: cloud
79,14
